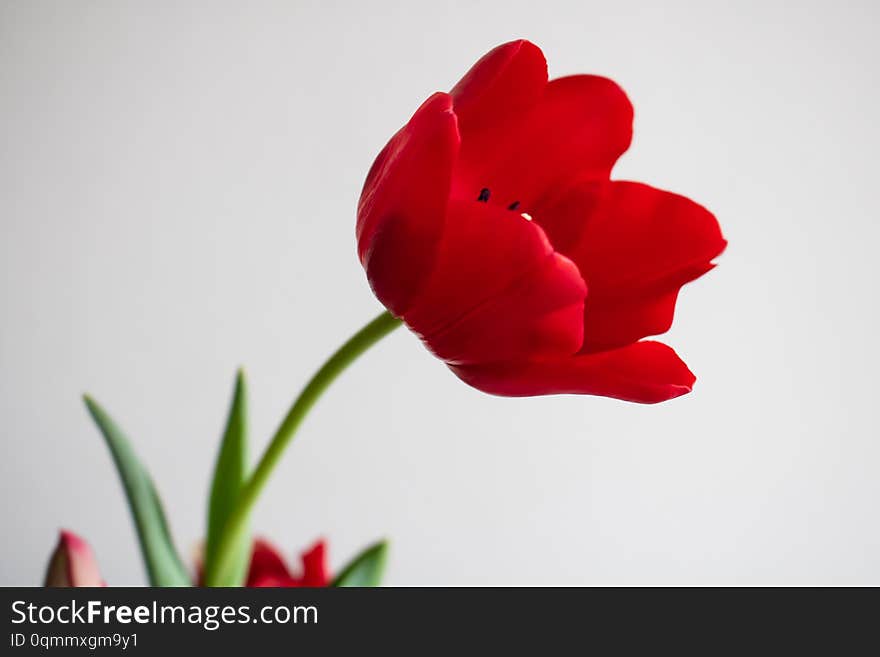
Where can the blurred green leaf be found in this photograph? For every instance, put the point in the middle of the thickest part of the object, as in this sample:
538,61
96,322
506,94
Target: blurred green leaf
230,474
164,567
366,569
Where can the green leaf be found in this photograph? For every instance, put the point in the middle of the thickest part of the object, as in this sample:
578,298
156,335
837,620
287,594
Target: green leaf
164,567
366,569
230,474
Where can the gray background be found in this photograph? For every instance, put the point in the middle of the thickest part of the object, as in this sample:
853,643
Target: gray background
178,184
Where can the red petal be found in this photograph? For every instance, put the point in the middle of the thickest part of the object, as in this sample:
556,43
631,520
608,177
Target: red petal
499,90
403,203
73,563
539,315
635,246
267,564
504,81
644,372
272,581
483,251
580,127
315,569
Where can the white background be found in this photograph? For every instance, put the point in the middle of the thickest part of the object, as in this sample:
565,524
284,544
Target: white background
178,184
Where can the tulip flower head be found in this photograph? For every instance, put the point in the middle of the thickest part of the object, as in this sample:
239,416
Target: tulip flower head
73,563
490,225
268,568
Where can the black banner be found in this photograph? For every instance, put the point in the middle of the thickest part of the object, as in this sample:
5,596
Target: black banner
548,621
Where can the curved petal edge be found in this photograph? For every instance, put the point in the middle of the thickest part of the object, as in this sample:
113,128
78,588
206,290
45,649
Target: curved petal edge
645,372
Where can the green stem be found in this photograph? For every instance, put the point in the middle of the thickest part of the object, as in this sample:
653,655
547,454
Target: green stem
332,368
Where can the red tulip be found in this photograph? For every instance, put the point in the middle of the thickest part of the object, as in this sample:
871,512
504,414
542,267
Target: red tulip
73,563
489,224
268,567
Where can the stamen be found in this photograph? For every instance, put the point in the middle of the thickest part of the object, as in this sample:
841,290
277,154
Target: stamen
513,206
484,195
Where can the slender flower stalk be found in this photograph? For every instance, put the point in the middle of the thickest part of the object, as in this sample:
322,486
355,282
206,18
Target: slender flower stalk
359,343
